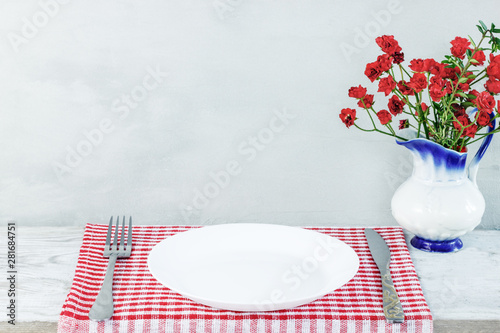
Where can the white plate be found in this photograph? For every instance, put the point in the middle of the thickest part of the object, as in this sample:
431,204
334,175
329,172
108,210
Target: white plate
252,267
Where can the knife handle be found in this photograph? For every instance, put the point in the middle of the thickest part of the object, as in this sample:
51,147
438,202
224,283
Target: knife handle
393,310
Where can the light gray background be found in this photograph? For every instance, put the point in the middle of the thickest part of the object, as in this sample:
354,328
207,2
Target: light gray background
233,66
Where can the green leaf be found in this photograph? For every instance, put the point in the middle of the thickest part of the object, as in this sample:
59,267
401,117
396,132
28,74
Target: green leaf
474,61
469,53
436,105
462,94
483,25
472,76
462,80
472,41
495,30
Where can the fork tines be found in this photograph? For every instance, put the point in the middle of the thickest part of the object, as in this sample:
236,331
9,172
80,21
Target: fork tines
122,249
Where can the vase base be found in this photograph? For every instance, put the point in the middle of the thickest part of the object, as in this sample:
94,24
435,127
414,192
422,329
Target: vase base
453,245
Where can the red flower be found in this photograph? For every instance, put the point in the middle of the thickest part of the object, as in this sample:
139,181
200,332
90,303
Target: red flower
384,116
348,116
384,62
469,80
485,101
462,124
368,100
463,87
405,90
460,45
404,123
417,65
470,131
493,69
424,108
418,82
480,57
450,73
396,105
398,57
373,71
436,88
483,119
493,86
429,64
357,92
386,85
474,92
437,68
388,44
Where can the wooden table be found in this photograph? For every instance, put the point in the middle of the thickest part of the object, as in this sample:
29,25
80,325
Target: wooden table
462,289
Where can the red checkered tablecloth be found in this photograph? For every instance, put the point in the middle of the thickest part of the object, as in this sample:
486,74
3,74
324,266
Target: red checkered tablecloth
144,305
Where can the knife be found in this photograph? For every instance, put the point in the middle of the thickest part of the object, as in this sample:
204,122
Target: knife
393,310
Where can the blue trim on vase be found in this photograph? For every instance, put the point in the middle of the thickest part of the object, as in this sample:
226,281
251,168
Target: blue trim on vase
453,245
428,150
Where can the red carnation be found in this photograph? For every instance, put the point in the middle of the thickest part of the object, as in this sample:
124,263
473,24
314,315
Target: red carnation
483,119
368,100
470,131
417,65
384,62
485,101
388,44
404,123
429,64
398,57
396,105
418,82
436,88
405,89
459,46
357,92
437,68
463,87
493,69
479,57
493,86
424,108
384,116
463,123
348,116
386,85
373,71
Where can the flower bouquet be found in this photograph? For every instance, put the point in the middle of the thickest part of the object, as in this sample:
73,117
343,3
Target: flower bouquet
441,101
442,109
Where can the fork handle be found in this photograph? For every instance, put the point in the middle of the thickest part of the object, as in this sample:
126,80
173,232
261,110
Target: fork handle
103,305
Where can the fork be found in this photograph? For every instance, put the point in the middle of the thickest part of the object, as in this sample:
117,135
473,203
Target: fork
103,305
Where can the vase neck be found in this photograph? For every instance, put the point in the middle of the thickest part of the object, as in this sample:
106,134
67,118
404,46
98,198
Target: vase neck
433,162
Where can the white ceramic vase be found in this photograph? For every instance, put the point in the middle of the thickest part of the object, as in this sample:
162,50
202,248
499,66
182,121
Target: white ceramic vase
440,201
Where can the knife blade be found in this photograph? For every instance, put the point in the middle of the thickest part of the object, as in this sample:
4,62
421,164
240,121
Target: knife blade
393,310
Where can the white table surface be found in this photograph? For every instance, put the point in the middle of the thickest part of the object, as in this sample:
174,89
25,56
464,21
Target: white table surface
462,289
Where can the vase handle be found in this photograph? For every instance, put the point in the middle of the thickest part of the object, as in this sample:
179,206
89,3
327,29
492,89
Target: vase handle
474,164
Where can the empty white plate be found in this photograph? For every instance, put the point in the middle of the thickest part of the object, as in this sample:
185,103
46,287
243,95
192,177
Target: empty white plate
252,267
